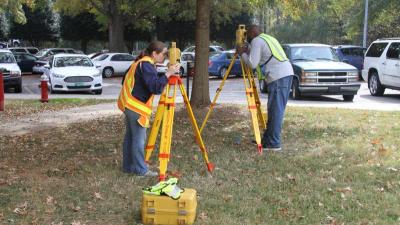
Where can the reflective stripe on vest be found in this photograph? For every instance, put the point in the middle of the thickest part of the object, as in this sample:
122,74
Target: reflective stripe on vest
126,100
276,48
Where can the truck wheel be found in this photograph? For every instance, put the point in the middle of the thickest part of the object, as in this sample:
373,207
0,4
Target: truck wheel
374,85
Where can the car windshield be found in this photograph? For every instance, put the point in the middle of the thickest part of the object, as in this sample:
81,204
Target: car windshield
313,53
215,56
100,57
72,61
41,53
6,57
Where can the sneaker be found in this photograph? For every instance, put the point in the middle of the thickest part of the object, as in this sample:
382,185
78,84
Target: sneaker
272,149
149,173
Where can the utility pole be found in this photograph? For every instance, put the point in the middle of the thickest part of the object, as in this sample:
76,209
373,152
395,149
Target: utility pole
365,24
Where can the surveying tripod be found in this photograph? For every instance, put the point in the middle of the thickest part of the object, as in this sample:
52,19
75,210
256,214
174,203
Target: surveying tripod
253,99
165,114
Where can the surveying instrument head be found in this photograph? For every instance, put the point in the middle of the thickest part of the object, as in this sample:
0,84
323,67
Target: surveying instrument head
241,35
174,54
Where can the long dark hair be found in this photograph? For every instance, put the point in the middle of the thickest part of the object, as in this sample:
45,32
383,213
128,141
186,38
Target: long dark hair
157,46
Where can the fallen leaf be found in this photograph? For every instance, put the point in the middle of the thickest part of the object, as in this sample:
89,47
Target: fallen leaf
21,209
203,216
376,142
75,223
97,195
278,179
290,177
393,169
49,200
344,190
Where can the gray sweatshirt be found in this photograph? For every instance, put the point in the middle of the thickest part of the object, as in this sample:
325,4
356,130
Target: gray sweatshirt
259,54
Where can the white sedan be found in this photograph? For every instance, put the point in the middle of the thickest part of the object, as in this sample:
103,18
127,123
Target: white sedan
73,72
114,63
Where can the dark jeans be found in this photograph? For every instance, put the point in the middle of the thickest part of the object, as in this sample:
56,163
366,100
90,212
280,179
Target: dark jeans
133,148
278,94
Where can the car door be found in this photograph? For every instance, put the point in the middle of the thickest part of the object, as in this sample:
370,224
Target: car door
391,68
29,62
117,63
127,61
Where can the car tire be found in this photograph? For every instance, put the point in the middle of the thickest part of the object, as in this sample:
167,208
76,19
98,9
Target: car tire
98,92
222,72
348,98
51,90
18,88
295,92
263,86
374,85
108,72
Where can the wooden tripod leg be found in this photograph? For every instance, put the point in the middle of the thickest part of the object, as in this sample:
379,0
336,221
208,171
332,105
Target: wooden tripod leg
199,139
155,127
166,131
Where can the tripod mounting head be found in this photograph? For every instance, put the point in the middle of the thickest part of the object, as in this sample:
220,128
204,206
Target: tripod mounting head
241,35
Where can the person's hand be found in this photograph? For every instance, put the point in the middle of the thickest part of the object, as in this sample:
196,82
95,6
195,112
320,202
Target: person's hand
172,70
241,49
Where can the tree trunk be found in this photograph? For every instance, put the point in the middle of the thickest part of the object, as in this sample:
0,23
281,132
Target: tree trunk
84,44
200,90
116,29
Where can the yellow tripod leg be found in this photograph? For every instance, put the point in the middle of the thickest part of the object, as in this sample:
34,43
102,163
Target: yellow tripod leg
251,105
260,114
218,92
155,127
166,132
196,130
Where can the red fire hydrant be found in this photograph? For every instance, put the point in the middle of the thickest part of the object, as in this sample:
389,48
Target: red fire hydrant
43,86
1,91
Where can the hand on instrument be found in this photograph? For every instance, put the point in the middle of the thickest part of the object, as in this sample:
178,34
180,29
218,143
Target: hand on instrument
173,70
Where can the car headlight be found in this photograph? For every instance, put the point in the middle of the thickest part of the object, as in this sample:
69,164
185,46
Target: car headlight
15,73
58,75
309,74
353,73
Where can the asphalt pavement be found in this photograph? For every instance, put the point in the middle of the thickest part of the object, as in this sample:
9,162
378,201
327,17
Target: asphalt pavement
233,92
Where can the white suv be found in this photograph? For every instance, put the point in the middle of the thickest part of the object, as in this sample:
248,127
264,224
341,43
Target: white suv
382,66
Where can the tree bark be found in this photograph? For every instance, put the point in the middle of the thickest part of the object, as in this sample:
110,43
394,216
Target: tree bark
200,90
116,29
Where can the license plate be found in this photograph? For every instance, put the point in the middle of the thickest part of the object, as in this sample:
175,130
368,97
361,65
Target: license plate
79,84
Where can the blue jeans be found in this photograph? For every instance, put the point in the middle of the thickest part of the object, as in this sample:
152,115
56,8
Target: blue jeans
133,148
278,94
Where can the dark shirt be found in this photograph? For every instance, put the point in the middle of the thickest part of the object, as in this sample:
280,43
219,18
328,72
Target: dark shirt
147,82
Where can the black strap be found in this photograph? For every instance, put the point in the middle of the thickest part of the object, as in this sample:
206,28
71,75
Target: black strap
267,60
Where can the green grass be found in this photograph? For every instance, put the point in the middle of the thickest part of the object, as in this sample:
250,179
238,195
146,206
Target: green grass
338,167
14,109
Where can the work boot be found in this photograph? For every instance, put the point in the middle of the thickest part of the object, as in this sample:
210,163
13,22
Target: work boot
278,149
150,173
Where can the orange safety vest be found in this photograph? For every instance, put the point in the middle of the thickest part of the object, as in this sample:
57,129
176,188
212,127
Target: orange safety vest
126,100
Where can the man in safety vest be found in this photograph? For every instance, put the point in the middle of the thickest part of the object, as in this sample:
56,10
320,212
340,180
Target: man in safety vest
136,100
265,50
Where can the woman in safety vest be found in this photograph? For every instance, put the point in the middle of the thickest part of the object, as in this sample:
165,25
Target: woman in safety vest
136,99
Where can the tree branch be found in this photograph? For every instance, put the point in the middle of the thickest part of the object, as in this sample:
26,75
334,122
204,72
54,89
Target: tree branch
99,8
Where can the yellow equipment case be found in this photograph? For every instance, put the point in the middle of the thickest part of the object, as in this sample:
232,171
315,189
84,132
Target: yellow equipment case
161,209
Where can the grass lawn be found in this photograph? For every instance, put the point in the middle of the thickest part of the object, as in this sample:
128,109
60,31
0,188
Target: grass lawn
338,167
14,109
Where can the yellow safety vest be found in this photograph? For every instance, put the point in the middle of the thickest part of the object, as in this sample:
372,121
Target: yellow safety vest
276,48
126,100
276,51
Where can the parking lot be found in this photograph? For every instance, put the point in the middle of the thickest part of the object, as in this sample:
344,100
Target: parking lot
233,92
